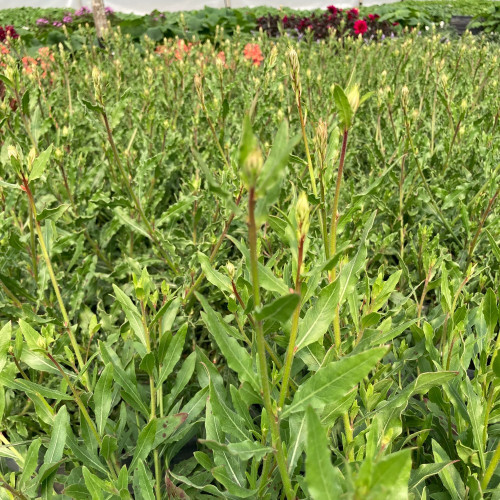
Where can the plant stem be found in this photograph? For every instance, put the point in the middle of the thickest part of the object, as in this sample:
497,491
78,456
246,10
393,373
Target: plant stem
293,333
349,437
74,343
333,232
261,352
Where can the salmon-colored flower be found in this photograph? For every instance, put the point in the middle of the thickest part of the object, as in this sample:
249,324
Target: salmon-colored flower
28,64
253,53
221,56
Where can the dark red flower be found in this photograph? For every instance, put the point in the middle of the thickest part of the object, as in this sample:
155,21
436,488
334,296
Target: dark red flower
360,27
373,17
7,31
285,19
352,14
332,9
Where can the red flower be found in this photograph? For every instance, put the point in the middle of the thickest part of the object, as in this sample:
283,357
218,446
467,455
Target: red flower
285,19
352,14
360,27
373,17
332,9
252,52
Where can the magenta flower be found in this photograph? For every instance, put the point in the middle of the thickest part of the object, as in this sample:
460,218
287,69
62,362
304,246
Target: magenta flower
57,24
67,19
42,22
109,11
82,11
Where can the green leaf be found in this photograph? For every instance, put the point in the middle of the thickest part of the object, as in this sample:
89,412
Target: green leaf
390,476
496,365
490,310
475,410
95,485
52,213
449,475
237,357
39,164
319,317
493,245
181,379
425,471
133,316
343,107
280,310
322,478
31,336
84,454
31,388
229,421
335,380
173,352
123,379
222,282
249,449
30,463
166,426
145,443
108,447
233,488
103,396
58,437
131,223
144,489
5,339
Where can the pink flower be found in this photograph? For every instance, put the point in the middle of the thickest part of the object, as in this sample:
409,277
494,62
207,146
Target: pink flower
360,27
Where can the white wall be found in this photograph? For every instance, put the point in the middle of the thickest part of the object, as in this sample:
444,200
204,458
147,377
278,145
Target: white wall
146,6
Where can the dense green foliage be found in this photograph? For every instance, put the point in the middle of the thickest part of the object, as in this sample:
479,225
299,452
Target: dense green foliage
182,312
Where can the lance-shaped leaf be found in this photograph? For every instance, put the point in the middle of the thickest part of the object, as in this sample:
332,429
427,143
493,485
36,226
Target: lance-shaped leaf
343,107
39,164
449,475
279,310
132,314
390,476
333,381
324,481
318,317
173,352
145,442
217,279
237,357
103,396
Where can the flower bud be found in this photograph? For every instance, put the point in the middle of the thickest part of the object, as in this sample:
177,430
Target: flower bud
252,166
230,270
302,214
353,97
405,96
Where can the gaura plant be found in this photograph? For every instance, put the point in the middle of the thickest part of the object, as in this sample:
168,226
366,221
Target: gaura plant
299,302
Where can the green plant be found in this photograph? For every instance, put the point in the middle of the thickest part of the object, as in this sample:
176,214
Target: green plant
250,277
